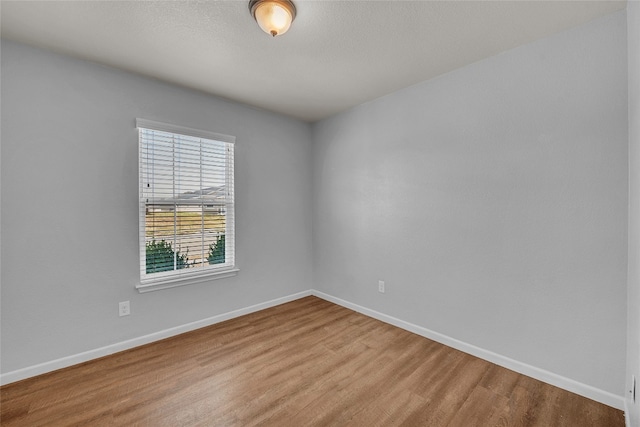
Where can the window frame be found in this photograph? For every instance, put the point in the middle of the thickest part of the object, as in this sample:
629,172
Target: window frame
181,277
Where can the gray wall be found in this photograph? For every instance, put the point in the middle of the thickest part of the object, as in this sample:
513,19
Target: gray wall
493,202
633,303
70,210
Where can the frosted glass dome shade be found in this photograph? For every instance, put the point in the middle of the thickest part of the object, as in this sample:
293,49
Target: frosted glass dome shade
273,16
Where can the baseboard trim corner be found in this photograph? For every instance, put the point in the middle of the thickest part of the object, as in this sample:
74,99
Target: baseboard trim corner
543,375
64,362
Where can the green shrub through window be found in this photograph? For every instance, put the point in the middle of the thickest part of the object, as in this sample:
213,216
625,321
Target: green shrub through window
162,257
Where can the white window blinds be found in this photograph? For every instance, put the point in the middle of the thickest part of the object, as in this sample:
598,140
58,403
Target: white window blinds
187,226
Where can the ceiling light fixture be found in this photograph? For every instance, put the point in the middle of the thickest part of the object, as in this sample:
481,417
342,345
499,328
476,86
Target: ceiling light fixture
273,16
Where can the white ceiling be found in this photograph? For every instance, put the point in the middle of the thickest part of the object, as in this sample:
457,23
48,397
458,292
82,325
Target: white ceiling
337,54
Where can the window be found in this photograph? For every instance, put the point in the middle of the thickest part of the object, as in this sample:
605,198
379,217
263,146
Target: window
186,205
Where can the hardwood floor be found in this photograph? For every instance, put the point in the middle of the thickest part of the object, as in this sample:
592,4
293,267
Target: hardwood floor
305,363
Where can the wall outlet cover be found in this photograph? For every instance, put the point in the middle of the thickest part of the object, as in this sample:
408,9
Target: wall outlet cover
124,309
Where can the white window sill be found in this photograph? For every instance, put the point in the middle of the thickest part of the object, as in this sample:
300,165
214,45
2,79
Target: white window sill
173,282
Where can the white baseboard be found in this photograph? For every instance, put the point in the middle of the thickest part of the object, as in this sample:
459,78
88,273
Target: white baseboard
568,384
74,359
627,417
585,390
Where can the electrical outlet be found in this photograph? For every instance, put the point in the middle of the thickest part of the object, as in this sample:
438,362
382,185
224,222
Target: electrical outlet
124,309
381,286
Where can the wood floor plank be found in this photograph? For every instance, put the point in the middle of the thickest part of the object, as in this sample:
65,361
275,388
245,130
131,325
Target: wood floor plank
304,363
482,408
500,380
